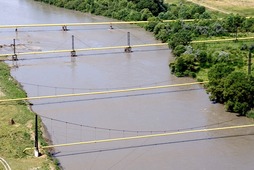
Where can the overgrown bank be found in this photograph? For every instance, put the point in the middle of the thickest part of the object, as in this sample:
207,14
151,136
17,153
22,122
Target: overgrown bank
17,127
193,60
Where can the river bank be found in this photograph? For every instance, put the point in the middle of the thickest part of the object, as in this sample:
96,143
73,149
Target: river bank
17,127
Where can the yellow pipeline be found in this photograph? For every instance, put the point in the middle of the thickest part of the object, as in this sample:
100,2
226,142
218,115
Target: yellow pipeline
86,24
84,49
103,92
221,40
119,47
146,136
70,24
95,23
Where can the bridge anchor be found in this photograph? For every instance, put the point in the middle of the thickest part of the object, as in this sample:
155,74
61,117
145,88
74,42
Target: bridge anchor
111,26
64,28
14,57
73,53
128,50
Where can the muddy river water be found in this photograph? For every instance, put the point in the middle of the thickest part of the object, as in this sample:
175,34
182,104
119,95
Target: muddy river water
94,117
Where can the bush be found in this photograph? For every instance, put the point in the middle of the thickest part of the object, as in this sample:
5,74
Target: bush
250,113
185,65
153,22
179,50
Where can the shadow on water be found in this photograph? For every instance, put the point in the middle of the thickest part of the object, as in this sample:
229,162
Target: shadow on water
59,154
70,28
121,96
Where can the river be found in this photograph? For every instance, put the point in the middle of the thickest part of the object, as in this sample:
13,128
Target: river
95,117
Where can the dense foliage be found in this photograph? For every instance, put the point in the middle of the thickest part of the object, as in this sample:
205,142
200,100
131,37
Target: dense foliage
233,88
119,9
189,58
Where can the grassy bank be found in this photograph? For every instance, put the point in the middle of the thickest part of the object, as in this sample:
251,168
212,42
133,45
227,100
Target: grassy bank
224,46
18,135
245,8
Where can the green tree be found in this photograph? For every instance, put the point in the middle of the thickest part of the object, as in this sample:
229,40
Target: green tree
145,14
233,22
202,58
185,65
179,50
162,35
248,25
153,21
216,77
134,16
182,37
238,92
155,6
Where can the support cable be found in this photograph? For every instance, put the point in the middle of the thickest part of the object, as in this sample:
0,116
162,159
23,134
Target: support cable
145,136
103,92
136,131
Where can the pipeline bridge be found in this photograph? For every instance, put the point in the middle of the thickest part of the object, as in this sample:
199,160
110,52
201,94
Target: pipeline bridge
103,92
145,136
110,24
65,26
127,48
107,140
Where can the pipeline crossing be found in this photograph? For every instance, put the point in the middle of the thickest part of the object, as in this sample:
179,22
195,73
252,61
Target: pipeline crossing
103,92
145,136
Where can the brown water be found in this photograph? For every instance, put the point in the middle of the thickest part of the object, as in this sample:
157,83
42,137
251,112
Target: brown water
122,114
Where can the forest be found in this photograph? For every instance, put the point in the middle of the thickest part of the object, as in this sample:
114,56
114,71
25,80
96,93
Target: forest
227,66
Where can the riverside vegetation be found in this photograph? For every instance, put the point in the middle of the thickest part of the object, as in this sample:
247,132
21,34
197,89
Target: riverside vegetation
17,124
202,61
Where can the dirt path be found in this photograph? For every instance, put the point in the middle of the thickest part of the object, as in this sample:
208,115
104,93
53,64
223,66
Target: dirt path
5,164
243,7
208,6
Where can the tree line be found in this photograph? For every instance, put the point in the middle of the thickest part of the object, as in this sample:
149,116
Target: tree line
228,83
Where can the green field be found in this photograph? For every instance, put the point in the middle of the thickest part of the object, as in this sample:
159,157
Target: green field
243,7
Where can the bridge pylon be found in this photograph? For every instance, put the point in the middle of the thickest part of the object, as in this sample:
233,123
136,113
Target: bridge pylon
14,56
73,52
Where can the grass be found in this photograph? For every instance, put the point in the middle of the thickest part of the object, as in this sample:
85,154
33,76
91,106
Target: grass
225,46
14,138
250,114
243,7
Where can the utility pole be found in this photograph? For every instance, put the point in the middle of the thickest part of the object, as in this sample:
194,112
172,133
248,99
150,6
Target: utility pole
36,142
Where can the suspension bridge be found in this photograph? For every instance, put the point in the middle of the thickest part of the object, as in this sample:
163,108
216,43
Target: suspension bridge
64,27
103,92
107,140
127,48
144,136
110,24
